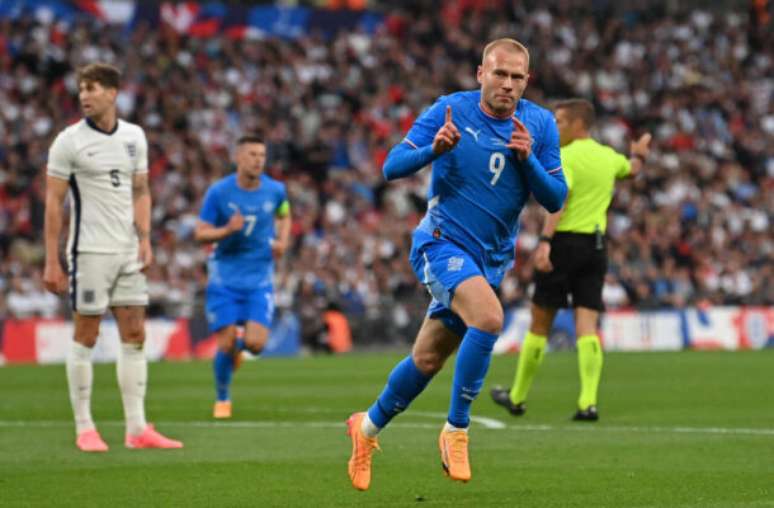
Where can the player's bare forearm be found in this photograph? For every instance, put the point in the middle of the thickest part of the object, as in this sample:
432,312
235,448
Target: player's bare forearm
141,200
281,242
56,191
207,233
283,225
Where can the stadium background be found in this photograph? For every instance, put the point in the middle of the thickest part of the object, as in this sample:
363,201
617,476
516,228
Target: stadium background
691,247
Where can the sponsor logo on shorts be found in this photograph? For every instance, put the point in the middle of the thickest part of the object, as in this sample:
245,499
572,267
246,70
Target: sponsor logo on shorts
455,264
88,296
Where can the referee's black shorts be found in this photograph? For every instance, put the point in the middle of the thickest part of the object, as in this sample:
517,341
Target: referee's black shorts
580,264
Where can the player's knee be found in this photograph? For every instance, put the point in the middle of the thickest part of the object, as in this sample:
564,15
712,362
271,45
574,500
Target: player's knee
135,335
86,335
87,340
488,320
429,363
255,346
226,339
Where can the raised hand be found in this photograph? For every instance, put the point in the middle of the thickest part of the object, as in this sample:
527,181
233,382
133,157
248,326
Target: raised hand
641,147
521,140
236,222
447,136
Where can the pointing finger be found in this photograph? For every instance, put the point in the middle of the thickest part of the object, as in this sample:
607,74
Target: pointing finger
448,114
518,125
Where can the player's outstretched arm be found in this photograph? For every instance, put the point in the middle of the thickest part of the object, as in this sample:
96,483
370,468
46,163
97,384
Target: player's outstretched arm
208,233
54,278
406,159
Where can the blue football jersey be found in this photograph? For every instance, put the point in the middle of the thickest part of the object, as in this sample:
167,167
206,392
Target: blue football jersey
243,260
477,190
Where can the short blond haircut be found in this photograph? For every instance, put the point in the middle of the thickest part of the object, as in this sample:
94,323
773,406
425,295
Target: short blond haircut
512,44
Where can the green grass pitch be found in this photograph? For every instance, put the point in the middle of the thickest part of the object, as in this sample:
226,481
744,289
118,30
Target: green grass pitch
677,430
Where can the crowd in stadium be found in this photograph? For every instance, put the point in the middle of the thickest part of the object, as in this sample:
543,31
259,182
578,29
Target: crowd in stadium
695,228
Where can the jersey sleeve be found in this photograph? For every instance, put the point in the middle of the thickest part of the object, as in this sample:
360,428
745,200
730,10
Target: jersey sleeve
283,205
427,124
60,158
209,212
548,148
622,165
141,164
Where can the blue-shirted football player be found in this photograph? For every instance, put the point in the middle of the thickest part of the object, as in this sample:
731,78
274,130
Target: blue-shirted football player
248,215
490,149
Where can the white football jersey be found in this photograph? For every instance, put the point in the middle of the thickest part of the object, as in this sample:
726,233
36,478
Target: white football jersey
100,167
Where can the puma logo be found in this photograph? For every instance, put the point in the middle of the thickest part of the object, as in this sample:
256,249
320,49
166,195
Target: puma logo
473,133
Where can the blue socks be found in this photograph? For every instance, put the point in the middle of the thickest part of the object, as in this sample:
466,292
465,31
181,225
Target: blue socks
223,366
403,385
406,382
469,372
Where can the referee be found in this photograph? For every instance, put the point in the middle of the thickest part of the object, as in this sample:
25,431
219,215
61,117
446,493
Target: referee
571,258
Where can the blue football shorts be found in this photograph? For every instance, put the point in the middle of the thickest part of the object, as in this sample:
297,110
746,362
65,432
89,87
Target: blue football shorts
442,265
228,306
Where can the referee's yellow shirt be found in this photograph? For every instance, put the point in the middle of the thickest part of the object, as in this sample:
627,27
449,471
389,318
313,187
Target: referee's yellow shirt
590,169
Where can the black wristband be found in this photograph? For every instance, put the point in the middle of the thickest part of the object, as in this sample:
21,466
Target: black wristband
544,238
638,156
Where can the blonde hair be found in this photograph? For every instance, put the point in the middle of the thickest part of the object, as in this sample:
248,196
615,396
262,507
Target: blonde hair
512,44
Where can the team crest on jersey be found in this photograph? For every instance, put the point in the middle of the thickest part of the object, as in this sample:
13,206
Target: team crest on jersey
268,206
455,264
131,149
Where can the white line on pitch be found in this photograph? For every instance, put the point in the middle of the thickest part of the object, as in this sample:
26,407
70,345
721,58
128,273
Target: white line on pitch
415,425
